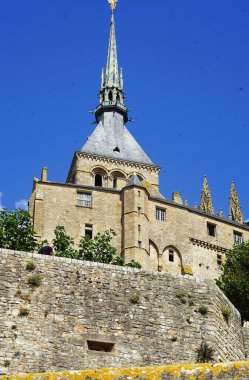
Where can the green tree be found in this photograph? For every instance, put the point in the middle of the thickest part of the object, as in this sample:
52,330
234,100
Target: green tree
16,231
234,280
64,244
99,248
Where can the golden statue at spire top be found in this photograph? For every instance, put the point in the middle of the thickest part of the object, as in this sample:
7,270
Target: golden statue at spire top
113,4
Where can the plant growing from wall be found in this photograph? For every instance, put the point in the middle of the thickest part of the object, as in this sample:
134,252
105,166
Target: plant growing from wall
30,266
23,311
16,231
35,280
234,280
182,297
6,363
203,310
135,299
226,312
205,353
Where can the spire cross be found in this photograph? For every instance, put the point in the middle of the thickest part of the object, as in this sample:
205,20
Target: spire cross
113,4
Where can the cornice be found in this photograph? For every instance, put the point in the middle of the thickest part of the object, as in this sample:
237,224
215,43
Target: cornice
207,245
136,165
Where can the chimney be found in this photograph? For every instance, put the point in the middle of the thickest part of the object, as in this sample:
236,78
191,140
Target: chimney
44,174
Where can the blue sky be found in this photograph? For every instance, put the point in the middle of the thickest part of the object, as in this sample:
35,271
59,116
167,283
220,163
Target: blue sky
186,72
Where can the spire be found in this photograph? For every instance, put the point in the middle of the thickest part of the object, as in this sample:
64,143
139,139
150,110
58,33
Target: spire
111,97
111,76
206,199
235,212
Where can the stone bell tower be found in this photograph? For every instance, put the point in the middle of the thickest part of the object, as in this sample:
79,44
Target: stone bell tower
111,155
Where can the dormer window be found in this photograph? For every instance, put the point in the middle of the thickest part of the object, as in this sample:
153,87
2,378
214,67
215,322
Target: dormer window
116,149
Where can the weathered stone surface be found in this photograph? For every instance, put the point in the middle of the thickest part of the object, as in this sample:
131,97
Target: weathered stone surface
150,318
225,371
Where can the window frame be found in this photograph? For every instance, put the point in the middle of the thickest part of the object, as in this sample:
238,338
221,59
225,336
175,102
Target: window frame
240,235
81,202
214,226
160,214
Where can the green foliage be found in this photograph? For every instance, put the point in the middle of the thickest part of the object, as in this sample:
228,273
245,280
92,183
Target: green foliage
6,363
203,309
98,249
204,353
182,297
135,299
16,231
35,280
64,244
234,280
30,266
134,264
226,312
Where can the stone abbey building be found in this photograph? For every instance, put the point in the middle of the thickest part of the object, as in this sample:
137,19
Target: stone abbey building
113,184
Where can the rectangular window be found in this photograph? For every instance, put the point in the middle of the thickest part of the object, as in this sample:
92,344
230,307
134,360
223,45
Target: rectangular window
100,346
139,193
139,244
237,237
219,261
89,230
160,214
84,199
211,229
171,256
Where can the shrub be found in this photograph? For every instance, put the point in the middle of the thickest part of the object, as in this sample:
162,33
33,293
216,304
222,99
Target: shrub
23,312
135,299
203,310
182,297
35,280
204,353
30,266
226,312
6,363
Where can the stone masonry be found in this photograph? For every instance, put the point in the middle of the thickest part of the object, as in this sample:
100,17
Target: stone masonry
88,315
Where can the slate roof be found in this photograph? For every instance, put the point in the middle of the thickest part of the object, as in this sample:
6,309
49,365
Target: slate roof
112,139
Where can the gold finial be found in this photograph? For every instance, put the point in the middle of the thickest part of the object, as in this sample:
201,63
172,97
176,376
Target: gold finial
113,4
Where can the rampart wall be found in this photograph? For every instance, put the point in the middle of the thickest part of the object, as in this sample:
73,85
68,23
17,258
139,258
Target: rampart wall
88,315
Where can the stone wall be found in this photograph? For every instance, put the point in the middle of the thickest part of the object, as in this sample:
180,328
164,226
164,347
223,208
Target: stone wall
246,338
87,315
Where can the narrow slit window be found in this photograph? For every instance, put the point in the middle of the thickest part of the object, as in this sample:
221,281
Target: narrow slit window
219,261
89,230
171,256
139,210
139,244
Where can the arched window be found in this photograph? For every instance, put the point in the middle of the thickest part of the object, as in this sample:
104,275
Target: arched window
98,180
118,97
110,96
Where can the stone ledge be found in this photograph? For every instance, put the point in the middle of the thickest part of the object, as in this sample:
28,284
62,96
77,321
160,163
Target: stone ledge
226,371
